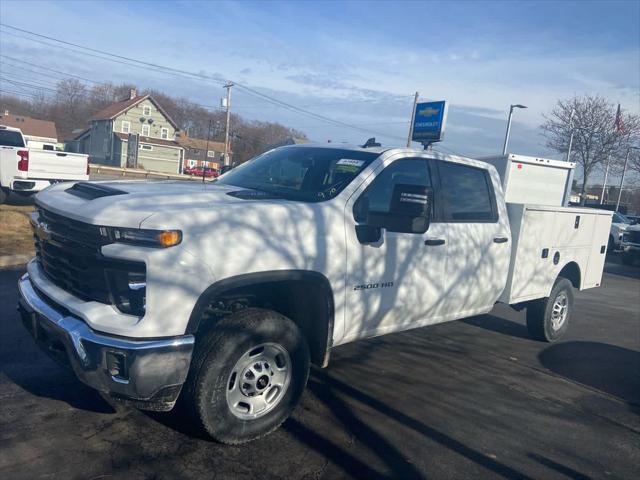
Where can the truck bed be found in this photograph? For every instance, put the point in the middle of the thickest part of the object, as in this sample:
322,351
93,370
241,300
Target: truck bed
547,238
49,164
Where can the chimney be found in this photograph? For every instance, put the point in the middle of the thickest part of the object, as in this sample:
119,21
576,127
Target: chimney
132,94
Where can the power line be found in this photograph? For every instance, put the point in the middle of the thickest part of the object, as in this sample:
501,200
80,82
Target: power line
157,67
65,74
18,94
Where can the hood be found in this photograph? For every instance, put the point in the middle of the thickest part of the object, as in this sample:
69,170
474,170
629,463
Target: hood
129,203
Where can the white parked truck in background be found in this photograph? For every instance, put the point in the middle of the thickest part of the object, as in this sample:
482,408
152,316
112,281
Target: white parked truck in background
224,292
26,170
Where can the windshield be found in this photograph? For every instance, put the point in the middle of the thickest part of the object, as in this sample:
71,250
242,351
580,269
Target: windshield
619,218
308,174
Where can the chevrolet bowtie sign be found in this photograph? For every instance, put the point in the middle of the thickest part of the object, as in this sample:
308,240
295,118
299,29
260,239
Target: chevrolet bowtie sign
429,121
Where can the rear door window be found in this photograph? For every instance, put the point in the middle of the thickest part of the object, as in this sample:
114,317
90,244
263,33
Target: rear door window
9,138
467,194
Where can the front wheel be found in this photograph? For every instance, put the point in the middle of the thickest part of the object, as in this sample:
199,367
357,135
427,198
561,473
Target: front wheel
548,318
247,375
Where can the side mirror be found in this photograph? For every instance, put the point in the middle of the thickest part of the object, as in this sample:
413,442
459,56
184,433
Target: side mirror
409,212
368,233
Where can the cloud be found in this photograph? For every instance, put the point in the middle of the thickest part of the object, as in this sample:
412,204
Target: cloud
357,71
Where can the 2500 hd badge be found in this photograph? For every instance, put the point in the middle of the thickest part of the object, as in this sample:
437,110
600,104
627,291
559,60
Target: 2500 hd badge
369,286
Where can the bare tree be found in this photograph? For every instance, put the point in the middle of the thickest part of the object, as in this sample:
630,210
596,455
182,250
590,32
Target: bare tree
70,105
596,138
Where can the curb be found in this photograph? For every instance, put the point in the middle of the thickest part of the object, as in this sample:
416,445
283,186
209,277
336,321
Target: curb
14,260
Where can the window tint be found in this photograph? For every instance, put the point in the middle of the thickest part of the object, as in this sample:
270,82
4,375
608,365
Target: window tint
466,194
379,194
11,138
308,174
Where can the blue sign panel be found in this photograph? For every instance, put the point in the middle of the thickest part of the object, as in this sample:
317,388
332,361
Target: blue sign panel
429,121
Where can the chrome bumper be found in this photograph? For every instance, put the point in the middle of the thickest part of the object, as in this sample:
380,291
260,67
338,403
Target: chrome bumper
149,373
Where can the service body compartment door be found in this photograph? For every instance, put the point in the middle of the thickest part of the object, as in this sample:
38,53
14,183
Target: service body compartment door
546,240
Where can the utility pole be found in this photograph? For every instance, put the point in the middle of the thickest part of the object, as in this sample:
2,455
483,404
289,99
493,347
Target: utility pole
228,86
206,152
413,118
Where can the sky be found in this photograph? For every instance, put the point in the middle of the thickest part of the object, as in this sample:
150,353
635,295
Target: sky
356,62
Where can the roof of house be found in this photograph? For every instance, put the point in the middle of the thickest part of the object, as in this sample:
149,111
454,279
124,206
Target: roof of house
199,143
78,133
30,126
115,109
149,140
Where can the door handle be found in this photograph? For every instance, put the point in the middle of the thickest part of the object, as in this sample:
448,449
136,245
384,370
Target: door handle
434,241
500,240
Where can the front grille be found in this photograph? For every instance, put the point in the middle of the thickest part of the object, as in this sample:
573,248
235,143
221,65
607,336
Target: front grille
633,236
69,253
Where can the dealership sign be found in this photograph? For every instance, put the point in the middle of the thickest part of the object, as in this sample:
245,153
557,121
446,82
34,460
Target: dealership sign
429,120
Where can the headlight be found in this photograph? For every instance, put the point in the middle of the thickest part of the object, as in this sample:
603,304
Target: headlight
146,238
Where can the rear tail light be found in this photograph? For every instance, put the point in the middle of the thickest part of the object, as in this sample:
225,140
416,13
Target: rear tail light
23,163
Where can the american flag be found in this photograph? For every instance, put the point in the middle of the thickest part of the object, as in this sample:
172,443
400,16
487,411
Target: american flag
619,123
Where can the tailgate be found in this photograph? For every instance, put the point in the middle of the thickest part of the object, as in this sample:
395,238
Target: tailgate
52,165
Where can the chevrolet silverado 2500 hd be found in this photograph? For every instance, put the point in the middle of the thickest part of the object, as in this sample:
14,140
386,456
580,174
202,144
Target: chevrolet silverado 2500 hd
323,246
27,170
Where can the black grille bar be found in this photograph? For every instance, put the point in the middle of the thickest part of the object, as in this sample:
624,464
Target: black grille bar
69,254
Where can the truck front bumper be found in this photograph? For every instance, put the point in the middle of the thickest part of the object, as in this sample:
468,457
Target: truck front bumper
147,373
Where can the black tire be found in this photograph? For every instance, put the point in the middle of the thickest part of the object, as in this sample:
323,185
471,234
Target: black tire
540,313
215,357
3,195
628,258
611,246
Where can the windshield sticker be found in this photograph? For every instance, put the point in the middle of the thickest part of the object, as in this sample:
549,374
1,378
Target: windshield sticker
350,162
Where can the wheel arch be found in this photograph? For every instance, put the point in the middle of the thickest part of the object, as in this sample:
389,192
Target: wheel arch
304,296
571,271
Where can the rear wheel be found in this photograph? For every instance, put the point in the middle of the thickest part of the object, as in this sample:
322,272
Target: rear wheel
247,375
3,195
548,318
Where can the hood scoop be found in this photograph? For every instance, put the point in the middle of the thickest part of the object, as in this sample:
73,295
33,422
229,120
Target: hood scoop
91,191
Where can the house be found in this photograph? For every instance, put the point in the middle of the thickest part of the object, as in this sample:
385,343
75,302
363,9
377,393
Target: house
37,133
199,152
137,119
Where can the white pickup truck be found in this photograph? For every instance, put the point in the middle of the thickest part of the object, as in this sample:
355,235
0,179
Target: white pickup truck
224,292
27,170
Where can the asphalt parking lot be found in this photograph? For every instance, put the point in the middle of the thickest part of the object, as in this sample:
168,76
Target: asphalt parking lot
468,399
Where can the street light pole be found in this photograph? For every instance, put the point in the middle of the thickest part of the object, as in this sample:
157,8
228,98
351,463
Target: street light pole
606,178
506,137
624,171
571,135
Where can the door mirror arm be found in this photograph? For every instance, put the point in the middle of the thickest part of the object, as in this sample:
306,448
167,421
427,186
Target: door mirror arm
368,233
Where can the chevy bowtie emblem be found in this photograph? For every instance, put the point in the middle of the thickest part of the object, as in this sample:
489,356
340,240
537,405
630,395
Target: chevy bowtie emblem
428,112
42,231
